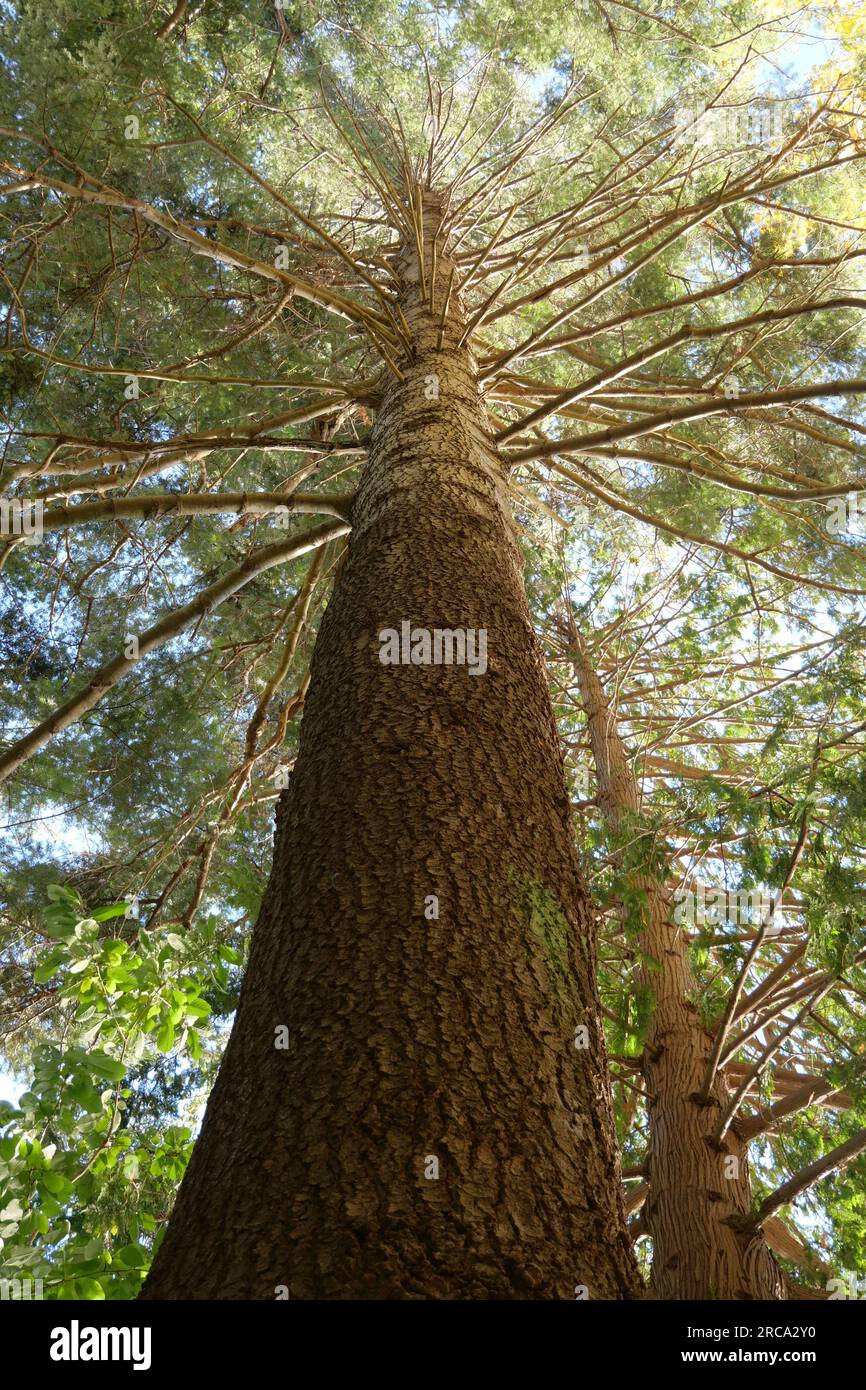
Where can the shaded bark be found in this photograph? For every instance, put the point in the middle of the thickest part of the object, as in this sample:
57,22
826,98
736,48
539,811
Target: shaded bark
698,1204
432,1131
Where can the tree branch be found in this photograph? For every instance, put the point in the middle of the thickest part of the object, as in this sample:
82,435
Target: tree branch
169,626
199,504
812,1173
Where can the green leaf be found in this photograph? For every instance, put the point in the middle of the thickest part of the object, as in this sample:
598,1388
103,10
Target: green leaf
104,1065
90,1289
104,914
56,1184
133,1255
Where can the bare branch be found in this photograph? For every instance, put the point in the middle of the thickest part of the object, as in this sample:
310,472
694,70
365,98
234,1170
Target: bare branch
812,1173
168,627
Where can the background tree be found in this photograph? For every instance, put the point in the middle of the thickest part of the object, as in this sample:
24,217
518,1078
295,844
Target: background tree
707,1038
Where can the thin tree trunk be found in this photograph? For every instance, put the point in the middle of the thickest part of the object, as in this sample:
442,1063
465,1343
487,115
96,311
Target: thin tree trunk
699,1197
432,1130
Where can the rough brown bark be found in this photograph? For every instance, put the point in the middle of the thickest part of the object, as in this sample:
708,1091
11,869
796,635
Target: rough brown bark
698,1198
416,1041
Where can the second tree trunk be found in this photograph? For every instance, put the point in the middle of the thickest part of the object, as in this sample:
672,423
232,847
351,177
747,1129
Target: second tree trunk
699,1192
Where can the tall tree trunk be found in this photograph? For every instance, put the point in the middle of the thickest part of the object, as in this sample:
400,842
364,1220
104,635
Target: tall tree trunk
699,1193
432,1130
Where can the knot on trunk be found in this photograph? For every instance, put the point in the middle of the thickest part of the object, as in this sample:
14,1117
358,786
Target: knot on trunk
704,1102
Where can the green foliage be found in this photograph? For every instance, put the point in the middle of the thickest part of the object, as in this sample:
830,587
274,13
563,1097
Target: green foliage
87,1167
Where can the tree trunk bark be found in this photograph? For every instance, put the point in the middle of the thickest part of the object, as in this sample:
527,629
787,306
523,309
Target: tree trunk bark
432,1131
699,1194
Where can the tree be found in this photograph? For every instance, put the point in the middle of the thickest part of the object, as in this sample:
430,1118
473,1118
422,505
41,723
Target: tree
418,1064
714,1036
